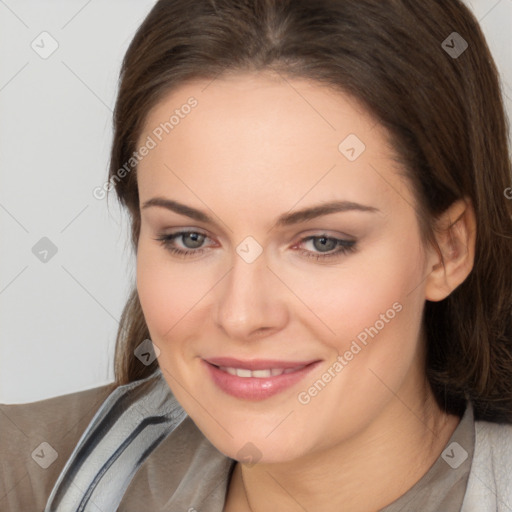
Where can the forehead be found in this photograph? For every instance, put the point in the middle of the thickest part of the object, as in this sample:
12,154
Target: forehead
262,105
258,135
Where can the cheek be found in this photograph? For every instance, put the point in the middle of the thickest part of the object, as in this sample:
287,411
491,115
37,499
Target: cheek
152,289
164,291
383,309
346,300
173,296
376,320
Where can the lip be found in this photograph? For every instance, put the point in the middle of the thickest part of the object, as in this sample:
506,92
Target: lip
256,388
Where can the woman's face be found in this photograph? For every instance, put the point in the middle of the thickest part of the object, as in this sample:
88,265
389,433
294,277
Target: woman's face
340,291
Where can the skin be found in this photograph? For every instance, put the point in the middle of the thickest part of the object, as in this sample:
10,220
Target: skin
255,147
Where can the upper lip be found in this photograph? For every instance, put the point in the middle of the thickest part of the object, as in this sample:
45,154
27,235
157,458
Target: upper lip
257,364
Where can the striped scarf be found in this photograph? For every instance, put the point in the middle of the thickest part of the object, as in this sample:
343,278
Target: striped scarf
129,425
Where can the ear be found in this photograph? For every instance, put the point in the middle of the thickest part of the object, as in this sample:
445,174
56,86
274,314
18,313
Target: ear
455,234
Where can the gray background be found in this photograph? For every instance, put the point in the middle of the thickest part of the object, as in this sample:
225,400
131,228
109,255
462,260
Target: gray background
59,311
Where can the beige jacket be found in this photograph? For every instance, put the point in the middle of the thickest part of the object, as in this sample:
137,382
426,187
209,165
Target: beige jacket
37,439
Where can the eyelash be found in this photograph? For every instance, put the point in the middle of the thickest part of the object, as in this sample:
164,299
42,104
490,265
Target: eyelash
345,246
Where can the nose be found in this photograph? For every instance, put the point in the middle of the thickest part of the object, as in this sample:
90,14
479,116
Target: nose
251,301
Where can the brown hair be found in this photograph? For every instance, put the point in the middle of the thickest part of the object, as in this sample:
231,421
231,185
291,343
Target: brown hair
444,113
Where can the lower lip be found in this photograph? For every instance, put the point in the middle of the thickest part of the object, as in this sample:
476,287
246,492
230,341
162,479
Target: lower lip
256,388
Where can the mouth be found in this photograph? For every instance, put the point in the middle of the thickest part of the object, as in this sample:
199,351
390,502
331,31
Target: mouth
269,372
256,379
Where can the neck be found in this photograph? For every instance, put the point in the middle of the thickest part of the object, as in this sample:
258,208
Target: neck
387,458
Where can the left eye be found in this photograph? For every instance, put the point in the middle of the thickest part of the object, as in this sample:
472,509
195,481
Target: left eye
192,240
326,247
326,244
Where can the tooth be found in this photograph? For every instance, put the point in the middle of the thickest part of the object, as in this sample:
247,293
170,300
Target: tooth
271,372
261,373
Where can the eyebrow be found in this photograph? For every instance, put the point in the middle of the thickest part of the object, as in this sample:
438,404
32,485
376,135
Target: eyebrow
286,219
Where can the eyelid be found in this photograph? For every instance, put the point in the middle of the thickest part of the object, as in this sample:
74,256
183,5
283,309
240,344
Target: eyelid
327,233
183,231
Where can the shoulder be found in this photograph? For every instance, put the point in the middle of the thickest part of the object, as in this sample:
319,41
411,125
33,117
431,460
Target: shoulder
490,479
494,442
36,440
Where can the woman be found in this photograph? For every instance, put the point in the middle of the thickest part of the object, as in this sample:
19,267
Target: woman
322,314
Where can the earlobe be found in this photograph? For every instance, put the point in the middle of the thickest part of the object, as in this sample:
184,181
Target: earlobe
450,265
